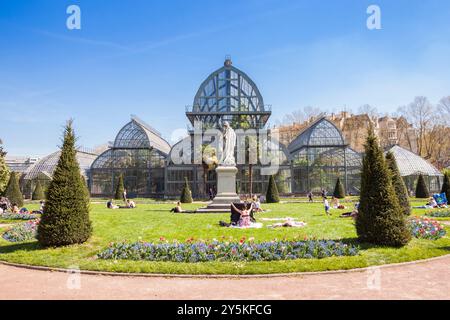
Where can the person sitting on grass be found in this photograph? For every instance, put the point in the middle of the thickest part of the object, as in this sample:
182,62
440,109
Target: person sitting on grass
131,204
177,208
14,208
245,219
257,204
110,205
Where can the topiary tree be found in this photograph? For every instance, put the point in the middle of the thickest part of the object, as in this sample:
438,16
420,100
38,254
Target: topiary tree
13,190
399,184
421,188
4,171
380,219
65,219
272,195
186,194
119,188
446,186
38,193
339,191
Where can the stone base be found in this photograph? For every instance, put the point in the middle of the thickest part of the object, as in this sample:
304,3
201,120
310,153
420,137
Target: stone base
226,191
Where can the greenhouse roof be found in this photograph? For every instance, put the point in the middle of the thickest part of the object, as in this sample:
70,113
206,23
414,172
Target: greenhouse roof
410,164
321,133
47,164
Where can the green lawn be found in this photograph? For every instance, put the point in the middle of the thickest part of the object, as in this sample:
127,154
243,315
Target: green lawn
150,221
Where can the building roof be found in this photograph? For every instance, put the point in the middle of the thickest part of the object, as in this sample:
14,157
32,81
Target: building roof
138,135
46,166
320,133
410,164
228,92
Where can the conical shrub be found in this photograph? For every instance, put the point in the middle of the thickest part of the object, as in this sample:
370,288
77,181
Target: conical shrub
186,194
380,219
272,195
446,186
4,171
13,190
38,193
65,219
399,184
119,188
421,188
339,191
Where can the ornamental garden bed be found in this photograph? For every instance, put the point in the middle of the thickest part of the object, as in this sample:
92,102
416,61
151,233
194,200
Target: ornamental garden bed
148,223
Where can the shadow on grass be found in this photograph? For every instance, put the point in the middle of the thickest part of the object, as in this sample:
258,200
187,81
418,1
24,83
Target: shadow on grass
29,246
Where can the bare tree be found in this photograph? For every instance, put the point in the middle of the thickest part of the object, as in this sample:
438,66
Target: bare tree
301,115
369,110
420,114
444,108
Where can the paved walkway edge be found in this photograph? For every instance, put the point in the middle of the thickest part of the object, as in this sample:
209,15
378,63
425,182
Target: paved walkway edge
221,276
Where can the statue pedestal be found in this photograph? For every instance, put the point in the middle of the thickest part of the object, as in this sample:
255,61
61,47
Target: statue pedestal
226,191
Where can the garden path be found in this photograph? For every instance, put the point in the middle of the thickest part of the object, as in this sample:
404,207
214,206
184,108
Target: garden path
425,280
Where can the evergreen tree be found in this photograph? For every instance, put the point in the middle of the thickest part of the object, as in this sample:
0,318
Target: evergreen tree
272,195
339,191
65,219
4,171
119,188
38,193
380,219
421,188
186,194
446,186
13,190
399,184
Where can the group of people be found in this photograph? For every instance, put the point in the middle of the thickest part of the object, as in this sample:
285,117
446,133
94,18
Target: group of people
5,206
433,204
129,204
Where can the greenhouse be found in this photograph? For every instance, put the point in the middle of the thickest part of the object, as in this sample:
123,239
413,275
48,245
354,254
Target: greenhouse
227,94
412,165
43,169
139,154
320,156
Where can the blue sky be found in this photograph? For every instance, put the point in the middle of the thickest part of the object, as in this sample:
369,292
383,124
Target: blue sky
149,57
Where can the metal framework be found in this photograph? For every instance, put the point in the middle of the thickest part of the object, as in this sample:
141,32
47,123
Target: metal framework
320,156
228,94
412,165
139,154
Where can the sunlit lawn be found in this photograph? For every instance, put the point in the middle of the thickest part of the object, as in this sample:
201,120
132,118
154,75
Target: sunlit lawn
150,221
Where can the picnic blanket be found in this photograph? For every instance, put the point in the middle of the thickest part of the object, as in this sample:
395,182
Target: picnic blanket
254,225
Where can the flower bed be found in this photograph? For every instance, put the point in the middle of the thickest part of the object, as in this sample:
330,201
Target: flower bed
438,213
22,232
18,216
227,251
423,228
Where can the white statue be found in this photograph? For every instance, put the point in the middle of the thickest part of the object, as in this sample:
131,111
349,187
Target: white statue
229,137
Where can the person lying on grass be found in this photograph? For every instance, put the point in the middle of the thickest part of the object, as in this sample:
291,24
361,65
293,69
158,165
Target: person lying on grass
110,205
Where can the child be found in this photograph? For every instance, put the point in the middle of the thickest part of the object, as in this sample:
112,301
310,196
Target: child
327,206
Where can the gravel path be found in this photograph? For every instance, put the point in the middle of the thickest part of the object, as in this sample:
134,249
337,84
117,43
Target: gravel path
427,280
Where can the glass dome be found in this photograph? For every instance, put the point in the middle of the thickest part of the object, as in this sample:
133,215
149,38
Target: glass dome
412,165
320,156
321,133
228,94
46,166
138,154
